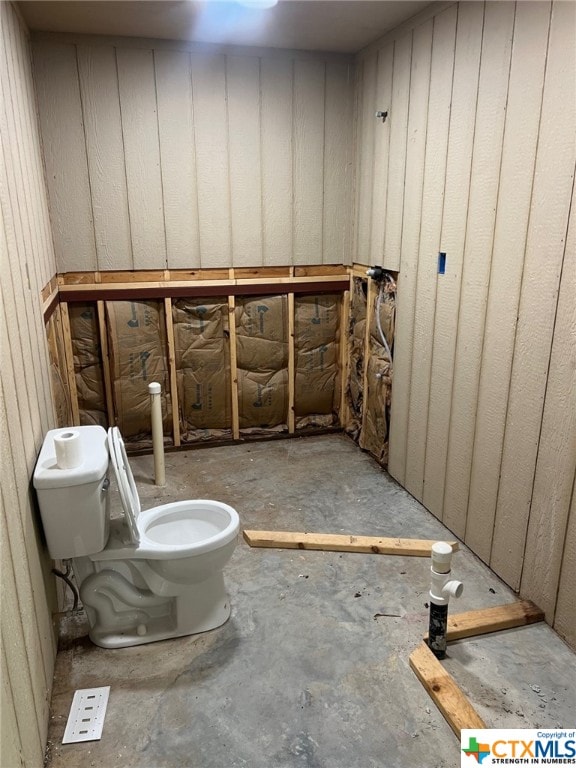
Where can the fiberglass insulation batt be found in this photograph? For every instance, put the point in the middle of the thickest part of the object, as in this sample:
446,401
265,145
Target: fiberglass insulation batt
137,342
202,351
316,322
262,359
87,364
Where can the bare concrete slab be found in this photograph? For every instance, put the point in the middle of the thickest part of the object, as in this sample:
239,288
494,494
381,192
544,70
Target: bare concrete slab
312,668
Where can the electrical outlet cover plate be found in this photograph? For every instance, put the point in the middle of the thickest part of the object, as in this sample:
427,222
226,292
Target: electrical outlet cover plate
86,718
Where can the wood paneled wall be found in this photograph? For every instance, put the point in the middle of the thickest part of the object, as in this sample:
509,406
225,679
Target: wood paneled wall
476,160
27,264
160,155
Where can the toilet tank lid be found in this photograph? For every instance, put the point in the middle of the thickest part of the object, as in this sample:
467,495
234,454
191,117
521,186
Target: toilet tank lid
48,474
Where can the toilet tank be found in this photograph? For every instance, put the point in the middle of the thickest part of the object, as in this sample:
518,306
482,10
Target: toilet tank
74,502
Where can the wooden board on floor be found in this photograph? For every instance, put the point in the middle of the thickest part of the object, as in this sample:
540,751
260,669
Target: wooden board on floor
331,542
493,619
444,691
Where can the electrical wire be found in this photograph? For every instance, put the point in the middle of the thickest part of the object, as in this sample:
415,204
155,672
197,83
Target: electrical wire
66,578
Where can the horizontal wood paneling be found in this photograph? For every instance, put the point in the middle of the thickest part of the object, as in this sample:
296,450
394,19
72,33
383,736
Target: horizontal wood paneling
26,412
483,391
159,157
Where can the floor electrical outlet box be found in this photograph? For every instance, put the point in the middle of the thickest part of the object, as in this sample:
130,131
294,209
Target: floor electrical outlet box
87,713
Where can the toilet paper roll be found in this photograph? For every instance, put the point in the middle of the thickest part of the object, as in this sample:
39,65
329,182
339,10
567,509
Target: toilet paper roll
68,449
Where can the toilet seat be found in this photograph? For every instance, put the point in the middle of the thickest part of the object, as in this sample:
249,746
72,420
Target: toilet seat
126,484
169,531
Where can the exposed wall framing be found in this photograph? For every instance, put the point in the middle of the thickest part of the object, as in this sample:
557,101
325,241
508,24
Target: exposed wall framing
58,369
369,375
87,361
239,352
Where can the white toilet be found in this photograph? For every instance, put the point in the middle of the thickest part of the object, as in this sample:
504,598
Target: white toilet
148,575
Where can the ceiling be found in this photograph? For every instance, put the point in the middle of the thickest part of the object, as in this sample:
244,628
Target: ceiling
344,26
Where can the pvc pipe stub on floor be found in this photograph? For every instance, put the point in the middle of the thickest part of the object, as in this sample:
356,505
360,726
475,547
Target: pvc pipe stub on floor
154,388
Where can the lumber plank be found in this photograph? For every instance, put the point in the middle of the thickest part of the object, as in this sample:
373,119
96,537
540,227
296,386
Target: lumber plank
76,278
291,365
119,281
334,542
320,269
233,368
172,368
50,304
247,273
65,320
344,361
219,273
444,691
104,354
493,619
49,288
369,308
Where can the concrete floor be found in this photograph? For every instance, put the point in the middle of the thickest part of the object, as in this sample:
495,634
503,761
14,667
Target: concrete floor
304,673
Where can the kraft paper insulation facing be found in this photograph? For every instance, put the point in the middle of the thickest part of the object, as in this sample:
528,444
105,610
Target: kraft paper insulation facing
370,409
87,364
316,349
202,352
374,433
356,335
138,356
138,351
60,389
262,361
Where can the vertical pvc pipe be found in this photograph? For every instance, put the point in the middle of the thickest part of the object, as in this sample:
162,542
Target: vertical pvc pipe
442,588
157,432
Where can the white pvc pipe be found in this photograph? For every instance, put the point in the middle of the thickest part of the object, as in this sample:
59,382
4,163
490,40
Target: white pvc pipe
157,432
442,587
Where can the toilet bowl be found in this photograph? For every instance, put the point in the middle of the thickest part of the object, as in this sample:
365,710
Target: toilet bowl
149,574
